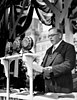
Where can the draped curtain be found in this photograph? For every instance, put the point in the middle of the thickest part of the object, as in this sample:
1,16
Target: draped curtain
23,13
44,14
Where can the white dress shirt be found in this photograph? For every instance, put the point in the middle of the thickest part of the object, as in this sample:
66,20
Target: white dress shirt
56,45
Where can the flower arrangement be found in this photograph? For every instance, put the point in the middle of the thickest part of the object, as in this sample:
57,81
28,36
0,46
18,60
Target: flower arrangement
27,43
8,48
16,46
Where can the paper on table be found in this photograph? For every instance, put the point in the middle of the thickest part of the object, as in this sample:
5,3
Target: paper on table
37,67
28,59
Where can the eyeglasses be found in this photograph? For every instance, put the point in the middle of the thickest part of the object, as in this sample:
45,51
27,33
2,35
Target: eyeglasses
52,35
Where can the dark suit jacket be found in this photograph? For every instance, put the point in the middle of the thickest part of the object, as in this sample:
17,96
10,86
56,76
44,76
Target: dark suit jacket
62,62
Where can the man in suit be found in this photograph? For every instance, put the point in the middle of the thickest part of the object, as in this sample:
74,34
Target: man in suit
58,64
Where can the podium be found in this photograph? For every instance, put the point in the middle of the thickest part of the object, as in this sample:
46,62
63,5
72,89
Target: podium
28,58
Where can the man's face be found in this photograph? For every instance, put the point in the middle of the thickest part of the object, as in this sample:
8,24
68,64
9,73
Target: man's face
54,36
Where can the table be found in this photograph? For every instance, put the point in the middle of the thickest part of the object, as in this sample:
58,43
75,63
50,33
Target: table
28,59
50,96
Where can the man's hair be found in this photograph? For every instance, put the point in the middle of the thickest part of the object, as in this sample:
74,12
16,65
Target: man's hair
57,29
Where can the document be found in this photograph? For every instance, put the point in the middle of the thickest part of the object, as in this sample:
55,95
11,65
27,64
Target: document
37,67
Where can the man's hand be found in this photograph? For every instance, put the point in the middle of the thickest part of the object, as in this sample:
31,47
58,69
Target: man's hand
48,68
47,71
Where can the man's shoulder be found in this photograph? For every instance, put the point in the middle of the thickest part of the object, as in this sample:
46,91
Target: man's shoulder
69,45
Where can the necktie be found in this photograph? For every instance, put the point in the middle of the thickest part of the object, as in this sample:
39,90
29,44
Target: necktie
53,49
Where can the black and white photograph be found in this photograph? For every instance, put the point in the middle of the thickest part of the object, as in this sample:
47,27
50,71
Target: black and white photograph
38,50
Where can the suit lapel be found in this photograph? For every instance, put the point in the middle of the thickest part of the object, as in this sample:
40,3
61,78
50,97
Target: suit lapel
49,57
46,56
44,60
59,48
